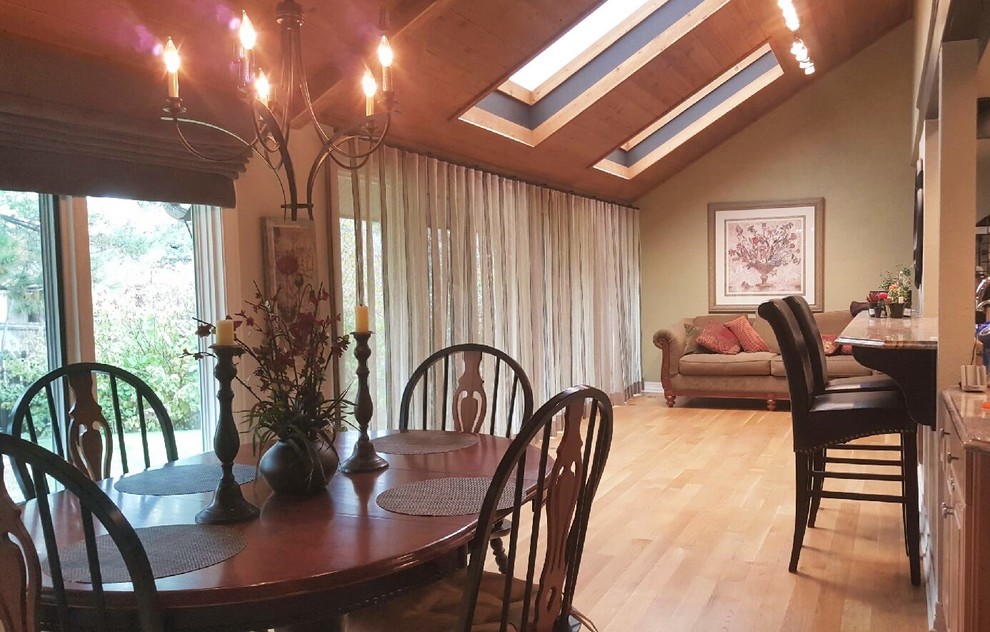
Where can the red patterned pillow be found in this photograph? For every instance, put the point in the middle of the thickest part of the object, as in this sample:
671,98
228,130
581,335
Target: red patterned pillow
846,350
750,341
716,337
828,341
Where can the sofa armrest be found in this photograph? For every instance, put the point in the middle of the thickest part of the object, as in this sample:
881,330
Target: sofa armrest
671,346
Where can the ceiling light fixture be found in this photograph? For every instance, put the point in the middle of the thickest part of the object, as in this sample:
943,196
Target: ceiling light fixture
798,49
272,107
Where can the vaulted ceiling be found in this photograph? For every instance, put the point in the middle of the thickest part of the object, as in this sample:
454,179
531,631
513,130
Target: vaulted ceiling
451,55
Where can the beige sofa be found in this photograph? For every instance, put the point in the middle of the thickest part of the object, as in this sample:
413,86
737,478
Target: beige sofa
698,373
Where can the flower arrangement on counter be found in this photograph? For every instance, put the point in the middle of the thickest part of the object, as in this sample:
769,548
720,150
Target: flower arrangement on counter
897,285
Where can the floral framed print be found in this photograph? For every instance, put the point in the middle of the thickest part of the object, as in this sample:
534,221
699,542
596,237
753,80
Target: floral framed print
763,250
289,257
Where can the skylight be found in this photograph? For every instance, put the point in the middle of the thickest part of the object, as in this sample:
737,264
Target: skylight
574,42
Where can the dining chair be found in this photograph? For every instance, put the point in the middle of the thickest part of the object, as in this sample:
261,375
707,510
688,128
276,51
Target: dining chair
822,420
78,430
819,364
20,586
545,544
454,395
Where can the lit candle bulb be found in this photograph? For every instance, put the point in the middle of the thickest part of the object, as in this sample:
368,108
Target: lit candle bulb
262,87
172,62
249,37
385,57
370,88
361,319
225,332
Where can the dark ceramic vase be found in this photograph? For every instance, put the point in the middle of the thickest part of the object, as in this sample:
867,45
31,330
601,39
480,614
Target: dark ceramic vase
896,310
289,472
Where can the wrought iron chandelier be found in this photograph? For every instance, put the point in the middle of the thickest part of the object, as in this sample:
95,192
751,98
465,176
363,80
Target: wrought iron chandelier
350,146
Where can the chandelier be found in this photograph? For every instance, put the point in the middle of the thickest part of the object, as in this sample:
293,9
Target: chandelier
273,106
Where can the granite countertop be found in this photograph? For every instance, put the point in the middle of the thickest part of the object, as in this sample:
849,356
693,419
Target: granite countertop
971,420
917,332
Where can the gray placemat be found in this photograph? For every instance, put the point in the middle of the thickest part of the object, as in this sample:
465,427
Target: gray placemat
171,549
455,496
174,480
424,442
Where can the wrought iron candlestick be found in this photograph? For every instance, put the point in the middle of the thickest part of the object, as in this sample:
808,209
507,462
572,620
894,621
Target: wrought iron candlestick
228,503
364,458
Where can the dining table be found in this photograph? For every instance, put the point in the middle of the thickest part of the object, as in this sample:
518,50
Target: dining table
906,349
305,561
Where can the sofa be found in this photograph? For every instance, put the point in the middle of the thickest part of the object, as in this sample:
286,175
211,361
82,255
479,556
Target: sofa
689,370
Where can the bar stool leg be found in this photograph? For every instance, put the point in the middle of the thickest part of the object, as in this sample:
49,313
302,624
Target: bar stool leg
912,535
802,504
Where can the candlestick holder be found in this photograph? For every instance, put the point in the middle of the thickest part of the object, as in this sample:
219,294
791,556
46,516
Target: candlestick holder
364,458
228,504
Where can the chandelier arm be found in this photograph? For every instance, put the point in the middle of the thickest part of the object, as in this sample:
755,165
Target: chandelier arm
351,165
307,99
285,162
252,146
204,156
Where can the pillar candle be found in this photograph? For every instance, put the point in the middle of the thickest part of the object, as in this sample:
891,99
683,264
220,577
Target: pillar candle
361,319
369,105
225,332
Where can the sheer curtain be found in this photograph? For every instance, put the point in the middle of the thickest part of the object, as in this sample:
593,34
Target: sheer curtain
454,254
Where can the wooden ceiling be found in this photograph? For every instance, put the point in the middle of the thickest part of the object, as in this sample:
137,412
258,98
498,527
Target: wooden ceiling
452,53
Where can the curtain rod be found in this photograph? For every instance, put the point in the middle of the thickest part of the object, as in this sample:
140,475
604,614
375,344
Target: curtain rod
476,167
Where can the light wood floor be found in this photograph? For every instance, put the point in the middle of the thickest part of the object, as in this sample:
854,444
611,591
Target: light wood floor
692,526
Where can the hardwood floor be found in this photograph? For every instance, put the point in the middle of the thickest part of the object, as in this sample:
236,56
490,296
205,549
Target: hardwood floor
692,526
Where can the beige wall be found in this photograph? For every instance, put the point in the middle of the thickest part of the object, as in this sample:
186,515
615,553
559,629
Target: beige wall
847,137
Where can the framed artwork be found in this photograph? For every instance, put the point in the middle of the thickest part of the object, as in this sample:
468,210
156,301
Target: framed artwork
763,250
289,257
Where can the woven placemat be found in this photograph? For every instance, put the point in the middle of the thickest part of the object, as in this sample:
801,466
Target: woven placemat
455,496
181,479
424,442
171,549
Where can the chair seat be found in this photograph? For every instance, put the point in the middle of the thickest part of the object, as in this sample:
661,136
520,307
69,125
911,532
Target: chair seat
878,382
836,418
437,607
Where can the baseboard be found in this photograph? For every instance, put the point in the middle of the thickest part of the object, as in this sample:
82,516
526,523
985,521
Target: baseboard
653,387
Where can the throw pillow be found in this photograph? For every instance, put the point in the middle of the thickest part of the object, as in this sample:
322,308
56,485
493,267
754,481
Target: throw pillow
846,350
750,341
717,337
828,341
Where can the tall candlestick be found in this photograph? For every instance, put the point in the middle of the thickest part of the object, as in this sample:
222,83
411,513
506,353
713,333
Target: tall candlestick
361,319
364,458
225,332
228,504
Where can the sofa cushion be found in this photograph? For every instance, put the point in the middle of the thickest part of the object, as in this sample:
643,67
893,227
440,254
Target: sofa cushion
717,337
749,340
845,366
838,366
725,365
832,322
701,321
691,334
763,328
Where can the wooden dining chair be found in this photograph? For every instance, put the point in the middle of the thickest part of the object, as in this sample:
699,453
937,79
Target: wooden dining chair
454,395
76,427
822,420
20,582
463,388
545,544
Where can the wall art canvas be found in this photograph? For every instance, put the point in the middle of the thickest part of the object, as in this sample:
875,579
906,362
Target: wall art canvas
763,250
289,258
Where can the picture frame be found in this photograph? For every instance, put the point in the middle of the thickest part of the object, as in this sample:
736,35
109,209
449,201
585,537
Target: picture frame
289,257
763,250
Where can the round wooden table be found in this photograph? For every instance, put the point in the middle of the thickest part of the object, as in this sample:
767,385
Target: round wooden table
306,561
